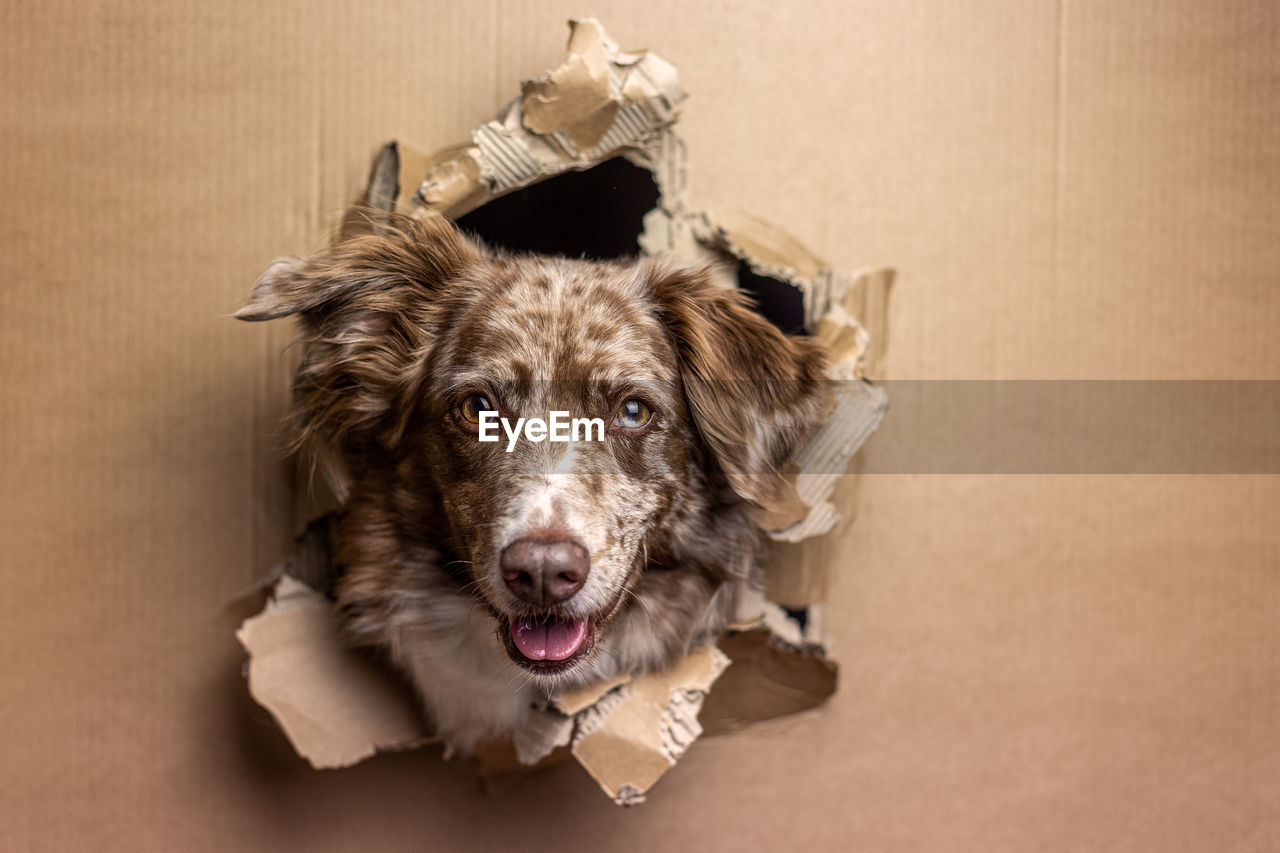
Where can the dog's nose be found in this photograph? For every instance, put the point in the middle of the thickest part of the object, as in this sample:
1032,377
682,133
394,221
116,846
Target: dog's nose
543,572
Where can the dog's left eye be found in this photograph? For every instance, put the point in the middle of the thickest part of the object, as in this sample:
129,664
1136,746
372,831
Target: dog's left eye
472,406
633,414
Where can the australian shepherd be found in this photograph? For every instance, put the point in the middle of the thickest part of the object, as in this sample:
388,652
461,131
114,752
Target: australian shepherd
493,572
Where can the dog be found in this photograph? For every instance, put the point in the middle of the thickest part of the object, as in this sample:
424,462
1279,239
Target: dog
494,573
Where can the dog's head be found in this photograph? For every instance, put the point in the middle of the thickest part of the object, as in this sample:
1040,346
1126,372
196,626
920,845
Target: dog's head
679,405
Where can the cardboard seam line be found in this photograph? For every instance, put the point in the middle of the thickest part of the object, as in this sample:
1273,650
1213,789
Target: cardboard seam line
1059,143
599,103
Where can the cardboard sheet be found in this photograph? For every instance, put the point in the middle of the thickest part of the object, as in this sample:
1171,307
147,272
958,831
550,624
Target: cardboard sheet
1069,190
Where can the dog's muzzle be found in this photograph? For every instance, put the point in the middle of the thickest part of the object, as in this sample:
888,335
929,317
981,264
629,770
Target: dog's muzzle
544,572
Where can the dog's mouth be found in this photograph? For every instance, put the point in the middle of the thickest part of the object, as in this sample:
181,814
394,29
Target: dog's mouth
548,644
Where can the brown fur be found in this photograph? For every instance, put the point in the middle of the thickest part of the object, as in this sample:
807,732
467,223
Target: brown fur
398,327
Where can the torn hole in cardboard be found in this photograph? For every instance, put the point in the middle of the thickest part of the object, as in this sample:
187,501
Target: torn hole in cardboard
587,162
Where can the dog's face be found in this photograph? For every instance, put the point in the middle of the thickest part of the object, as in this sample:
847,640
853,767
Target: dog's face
419,344
555,531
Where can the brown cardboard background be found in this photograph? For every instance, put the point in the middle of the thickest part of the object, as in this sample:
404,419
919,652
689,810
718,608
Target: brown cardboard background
1069,190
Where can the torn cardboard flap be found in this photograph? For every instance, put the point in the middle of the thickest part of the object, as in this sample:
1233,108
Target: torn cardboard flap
859,407
575,97
334,705
626,732
600,103
584,100
628,742
452,179
766,248
823,459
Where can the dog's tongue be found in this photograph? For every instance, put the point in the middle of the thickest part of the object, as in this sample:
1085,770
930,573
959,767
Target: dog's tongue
549,639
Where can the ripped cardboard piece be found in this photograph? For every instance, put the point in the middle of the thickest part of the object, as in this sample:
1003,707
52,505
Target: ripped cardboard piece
627,738
599,103
334,704
626,732
604,103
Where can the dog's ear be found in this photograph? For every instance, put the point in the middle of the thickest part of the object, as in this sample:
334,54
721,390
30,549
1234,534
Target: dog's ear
364,308
413,253
753,392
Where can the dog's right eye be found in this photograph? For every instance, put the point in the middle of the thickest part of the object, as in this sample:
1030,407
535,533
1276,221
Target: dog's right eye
471,407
